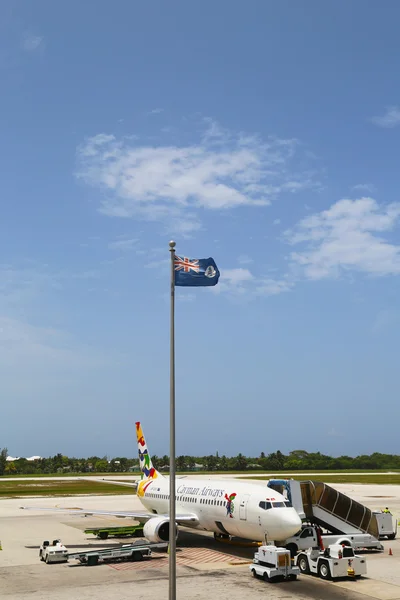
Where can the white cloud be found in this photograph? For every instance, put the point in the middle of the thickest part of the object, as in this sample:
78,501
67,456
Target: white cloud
273,287
234,281
385,319
171,183
31,43
347,236
241,281
391,118
244,259
182,296
236,276
333,432
20,285
364,187
276,222
161,263
27,348
123,245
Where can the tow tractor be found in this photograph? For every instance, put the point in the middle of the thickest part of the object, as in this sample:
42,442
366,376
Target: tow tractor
53,553
333,562
273,563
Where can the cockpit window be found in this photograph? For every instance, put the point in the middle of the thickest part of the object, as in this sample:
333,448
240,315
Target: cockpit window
265,505
278,504
288,504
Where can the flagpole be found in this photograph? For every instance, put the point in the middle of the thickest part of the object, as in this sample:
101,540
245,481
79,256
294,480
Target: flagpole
172,469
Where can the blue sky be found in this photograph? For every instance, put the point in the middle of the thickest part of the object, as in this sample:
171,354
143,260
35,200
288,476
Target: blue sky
263,134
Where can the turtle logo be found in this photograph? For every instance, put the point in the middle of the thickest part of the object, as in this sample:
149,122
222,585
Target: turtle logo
230,507
210,272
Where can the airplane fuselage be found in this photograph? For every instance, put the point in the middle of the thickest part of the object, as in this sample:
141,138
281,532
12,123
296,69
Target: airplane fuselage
226,506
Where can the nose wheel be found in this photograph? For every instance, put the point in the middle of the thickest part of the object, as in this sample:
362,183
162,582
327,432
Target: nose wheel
222,537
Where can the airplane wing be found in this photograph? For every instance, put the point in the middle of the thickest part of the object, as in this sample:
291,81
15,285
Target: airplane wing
139,516
132,484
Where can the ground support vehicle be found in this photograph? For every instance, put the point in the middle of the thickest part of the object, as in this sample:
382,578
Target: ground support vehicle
53,553
137,551
273,563
334,562
307,537
104,532
387,524
321,505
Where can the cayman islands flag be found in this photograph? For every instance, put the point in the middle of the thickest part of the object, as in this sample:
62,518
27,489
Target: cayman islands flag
195,271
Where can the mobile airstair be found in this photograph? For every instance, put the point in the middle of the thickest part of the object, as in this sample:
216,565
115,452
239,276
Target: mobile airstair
322,505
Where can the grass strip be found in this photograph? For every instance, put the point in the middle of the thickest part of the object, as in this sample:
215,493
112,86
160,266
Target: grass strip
392,479
21,489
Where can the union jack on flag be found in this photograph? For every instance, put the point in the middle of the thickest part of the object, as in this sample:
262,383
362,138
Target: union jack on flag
186,264
195,271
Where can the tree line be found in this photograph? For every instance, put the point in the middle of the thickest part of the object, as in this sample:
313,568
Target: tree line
296,460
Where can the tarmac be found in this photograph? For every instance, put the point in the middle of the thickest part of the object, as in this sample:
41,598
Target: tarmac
205,568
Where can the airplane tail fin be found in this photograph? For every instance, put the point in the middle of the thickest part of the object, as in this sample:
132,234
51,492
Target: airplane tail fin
146,466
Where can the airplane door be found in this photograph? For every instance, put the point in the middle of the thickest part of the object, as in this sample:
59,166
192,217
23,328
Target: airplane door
243,507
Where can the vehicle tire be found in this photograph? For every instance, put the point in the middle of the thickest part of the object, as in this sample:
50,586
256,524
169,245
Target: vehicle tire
392,536
323,570
292,577
265,576
46,560
103,535
292,549
136,556
253,571
302,563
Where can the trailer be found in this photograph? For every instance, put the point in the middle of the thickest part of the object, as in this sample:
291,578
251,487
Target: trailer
105,532
332,563
134,552
273,563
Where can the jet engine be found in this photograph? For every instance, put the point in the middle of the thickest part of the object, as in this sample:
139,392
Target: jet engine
157,530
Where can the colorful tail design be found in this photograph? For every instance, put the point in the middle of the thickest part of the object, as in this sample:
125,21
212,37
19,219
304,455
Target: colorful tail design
146,466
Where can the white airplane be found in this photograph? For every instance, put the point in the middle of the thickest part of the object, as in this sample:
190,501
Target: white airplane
226,507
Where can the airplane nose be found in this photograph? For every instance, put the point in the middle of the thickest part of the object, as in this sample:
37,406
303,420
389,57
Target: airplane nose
289,524
292,522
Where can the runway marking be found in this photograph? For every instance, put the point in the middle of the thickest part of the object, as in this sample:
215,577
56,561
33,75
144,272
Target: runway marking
184,557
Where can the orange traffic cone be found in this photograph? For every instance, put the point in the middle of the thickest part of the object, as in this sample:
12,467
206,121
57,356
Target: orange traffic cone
390,552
